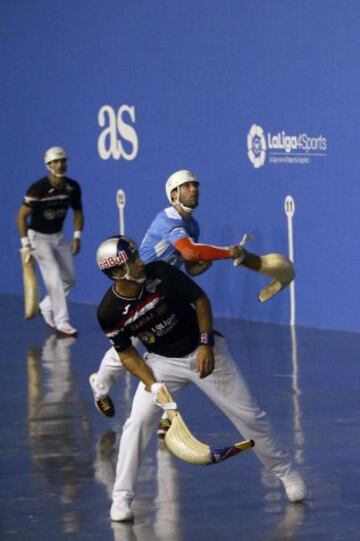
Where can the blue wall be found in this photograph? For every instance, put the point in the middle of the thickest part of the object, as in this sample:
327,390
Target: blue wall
188,80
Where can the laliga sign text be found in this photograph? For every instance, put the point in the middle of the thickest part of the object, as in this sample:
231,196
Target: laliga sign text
283,148
118,139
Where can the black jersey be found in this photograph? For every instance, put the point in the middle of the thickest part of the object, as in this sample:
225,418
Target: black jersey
49,205
161,316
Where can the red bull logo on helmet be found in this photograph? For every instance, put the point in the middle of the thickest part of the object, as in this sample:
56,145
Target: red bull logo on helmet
111,261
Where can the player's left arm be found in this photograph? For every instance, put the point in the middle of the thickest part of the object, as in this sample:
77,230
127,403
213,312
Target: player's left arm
195,251
205,360
191,292
78,227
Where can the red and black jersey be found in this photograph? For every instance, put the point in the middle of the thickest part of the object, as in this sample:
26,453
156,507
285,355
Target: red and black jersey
49,205
161,316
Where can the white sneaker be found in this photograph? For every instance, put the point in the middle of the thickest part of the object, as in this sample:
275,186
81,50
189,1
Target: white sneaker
120,511
48,318
65,330
295,487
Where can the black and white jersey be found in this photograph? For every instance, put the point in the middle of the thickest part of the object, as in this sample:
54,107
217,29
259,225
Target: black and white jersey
161,316
49,205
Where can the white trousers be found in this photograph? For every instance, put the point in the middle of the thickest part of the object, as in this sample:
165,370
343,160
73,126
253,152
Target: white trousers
109,371
226,387
57,269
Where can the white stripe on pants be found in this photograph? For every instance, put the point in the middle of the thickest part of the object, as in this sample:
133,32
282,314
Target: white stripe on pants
225,387
57,269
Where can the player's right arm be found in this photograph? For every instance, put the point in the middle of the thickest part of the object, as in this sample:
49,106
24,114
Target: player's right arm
194,251
110,313
132,361
21,220
194,268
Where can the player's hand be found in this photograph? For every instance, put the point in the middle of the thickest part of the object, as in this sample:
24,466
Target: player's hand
236,252
75,246
27,255
205,361
162,397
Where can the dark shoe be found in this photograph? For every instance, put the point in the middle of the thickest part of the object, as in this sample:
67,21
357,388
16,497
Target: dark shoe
163,427
105,405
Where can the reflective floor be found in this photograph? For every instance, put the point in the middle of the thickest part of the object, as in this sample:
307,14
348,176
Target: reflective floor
58,454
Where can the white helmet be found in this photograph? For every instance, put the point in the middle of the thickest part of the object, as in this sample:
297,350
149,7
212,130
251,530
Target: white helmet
177,179
54,153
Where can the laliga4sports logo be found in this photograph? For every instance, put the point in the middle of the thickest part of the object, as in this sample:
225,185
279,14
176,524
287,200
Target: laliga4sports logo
256,145
281,147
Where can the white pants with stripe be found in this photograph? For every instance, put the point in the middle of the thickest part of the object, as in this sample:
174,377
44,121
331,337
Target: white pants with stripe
56,265
226,387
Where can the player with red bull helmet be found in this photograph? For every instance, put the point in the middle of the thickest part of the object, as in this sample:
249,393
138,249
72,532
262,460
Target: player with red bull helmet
171,315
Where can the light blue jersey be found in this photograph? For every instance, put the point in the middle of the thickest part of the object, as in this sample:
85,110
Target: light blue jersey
167,228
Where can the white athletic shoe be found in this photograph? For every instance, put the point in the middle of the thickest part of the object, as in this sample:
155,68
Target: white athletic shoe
48,318
295,487
120,511
65,330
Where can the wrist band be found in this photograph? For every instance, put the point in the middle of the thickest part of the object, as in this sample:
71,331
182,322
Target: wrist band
207,339
25,243
77,234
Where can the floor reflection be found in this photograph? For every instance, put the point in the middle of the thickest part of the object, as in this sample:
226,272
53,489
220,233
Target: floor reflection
58,454
291,521
59,432
164,523
299,435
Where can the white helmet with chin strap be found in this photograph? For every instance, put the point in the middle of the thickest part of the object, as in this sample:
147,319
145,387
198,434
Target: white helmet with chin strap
174,181
54,153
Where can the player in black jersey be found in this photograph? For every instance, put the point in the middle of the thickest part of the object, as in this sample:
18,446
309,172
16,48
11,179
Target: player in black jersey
172,316
40,224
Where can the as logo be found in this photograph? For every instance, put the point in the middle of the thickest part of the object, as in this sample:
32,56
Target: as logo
256,145
118,139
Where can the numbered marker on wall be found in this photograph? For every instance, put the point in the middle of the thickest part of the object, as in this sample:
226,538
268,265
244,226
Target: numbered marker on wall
121,202
289,207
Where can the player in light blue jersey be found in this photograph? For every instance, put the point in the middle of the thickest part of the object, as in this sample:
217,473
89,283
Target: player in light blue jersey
173,237
167,228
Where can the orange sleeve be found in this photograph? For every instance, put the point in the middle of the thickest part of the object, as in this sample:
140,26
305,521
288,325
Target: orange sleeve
192,251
